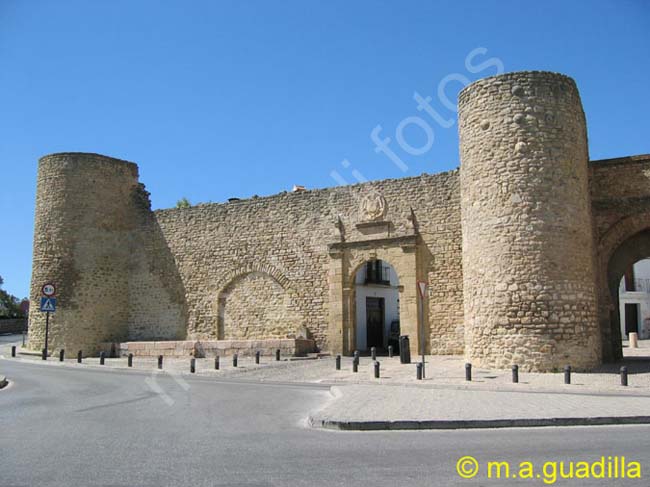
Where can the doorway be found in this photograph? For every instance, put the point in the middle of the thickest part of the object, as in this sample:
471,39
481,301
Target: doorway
631,318
377,309
375,322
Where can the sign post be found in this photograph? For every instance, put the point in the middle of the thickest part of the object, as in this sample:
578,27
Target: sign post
48,305
422,291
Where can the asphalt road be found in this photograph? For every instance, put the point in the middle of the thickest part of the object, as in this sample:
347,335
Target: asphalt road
87,427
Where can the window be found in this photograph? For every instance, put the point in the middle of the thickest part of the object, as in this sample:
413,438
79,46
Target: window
377,273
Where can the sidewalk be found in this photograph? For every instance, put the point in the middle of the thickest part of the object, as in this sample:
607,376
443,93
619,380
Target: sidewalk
360,407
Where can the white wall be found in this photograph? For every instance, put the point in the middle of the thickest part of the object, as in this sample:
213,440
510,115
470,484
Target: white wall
642,298
391,303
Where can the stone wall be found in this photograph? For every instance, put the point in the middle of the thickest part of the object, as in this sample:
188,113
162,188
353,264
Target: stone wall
528,255
515,283
262,266
94,237
298,347
13,325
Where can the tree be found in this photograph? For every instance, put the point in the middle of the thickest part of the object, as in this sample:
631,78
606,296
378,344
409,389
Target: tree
183,203
9,305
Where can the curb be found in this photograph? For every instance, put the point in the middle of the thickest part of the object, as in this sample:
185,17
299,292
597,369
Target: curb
3,382
442,424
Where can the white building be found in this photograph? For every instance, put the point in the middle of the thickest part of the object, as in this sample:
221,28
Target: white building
634,300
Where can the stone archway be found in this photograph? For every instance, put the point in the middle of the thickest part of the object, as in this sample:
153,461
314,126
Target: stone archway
256,303
613,239
345,260
633,249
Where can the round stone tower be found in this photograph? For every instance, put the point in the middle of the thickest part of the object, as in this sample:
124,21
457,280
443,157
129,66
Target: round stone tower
528,261
82,241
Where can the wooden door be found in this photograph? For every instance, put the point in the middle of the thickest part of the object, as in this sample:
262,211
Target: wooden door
375,322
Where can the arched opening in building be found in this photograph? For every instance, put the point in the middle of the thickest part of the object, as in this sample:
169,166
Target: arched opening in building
628,276
377,306
634,300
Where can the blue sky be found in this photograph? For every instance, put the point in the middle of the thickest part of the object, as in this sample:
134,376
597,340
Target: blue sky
215,99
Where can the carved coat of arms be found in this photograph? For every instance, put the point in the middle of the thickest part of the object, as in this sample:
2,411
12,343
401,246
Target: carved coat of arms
372,207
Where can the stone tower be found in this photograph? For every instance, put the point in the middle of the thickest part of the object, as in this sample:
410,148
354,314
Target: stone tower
85,213
528,251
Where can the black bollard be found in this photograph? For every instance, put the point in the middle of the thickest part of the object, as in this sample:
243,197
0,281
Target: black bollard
338,362
216,363
515,374
277,355
61,355
129,360
404,350
468,372
44,354
418,371
624,376
257,357
355,365
355,355
193,365
373,353
13,350
102,356
234,360
160,362
567,374
390,351
377,370
79,356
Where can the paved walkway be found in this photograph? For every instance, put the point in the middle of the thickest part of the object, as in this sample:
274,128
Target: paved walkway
444,399
362,407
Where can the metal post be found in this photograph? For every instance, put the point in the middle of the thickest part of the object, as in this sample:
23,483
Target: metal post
355,355
338,362
421,321
390,351
377,370
234,360
102,355
216,363
160,362
13,350
567,374
355,365
624,376
373,353
79,356
468,372
129,360
277,355
193,365
47,332
418,371
515,374
24,333
62,355
257,357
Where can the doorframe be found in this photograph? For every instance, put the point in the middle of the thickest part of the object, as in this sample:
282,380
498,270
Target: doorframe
345,260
